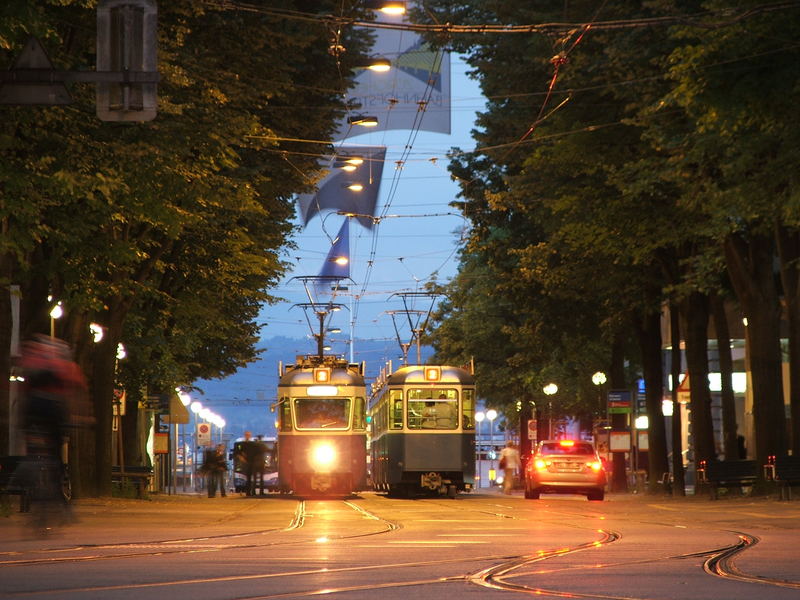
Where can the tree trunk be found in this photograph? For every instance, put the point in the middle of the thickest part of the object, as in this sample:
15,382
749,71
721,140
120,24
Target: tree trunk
726,377
788,242
696,315
750,267
5,369
678,478
648,329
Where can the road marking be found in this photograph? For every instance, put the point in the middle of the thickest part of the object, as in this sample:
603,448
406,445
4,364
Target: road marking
477,535
436,542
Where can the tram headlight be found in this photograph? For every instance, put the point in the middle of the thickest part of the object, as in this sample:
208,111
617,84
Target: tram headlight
323,456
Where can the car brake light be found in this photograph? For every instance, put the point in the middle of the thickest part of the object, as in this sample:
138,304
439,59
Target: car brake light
567,442
540,464
595,465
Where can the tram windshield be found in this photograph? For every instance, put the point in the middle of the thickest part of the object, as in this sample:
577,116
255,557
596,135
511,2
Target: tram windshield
322,413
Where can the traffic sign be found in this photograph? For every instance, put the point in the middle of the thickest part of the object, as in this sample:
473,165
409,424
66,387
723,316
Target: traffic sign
532,428
203,434
619,402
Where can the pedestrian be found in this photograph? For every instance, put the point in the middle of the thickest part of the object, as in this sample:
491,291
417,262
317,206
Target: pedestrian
509,462
215,468
259,458
248,458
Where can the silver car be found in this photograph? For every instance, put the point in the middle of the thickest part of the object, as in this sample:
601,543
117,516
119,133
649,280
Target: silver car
565,467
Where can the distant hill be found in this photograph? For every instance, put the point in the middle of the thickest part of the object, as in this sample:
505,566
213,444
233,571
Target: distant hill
244,398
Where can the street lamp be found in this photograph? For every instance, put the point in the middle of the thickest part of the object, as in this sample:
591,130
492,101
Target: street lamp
549,390
479,417
55,313
599,378
491,415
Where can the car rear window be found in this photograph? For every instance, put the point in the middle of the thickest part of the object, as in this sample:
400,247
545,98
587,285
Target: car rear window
577,448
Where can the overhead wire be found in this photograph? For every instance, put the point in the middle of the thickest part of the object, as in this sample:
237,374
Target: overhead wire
731,15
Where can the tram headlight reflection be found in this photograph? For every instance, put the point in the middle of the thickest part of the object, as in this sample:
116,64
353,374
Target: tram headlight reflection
323,456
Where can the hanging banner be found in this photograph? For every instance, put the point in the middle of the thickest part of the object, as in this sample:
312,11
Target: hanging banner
345,189
413,94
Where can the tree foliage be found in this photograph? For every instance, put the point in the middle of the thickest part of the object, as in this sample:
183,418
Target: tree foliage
167,233
619,168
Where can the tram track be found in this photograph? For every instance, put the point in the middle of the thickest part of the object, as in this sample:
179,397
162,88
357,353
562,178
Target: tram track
184,545
504,572
719,564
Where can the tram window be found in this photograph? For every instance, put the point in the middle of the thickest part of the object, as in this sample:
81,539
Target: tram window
359,416
322,413
468,409
285,415
432,409
396,400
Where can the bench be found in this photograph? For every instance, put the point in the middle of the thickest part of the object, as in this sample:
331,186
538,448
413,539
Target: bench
137,477
11,485
787,474
727,474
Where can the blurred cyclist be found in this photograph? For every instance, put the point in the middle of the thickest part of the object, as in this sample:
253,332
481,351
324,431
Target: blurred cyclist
53,383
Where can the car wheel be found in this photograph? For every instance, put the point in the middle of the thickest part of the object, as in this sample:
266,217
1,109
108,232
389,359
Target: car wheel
531,495
596,495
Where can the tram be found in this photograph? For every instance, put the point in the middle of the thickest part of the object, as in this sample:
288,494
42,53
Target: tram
322,427
423,430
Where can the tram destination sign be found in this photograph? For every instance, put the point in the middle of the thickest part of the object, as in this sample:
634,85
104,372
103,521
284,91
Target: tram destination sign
619,402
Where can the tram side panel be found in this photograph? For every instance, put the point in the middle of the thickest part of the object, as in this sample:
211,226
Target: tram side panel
424,461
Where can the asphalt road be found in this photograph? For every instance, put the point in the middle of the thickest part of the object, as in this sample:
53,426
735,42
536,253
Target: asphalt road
369,546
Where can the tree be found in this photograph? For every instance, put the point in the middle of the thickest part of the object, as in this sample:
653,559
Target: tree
170,230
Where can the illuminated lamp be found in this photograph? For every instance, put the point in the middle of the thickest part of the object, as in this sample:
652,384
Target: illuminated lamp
322,375
355,186
318,391
363,120
323,456
433,373
387,7
379,65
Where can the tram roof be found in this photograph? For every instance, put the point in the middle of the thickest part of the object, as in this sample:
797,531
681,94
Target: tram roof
411,374
302,372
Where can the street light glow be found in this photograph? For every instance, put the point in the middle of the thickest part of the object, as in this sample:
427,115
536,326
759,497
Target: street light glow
97,332
57,311
550,389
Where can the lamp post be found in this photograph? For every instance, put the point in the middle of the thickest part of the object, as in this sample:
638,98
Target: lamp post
549,390
599,378
195,407
491,415
479,417
186,400
55,313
